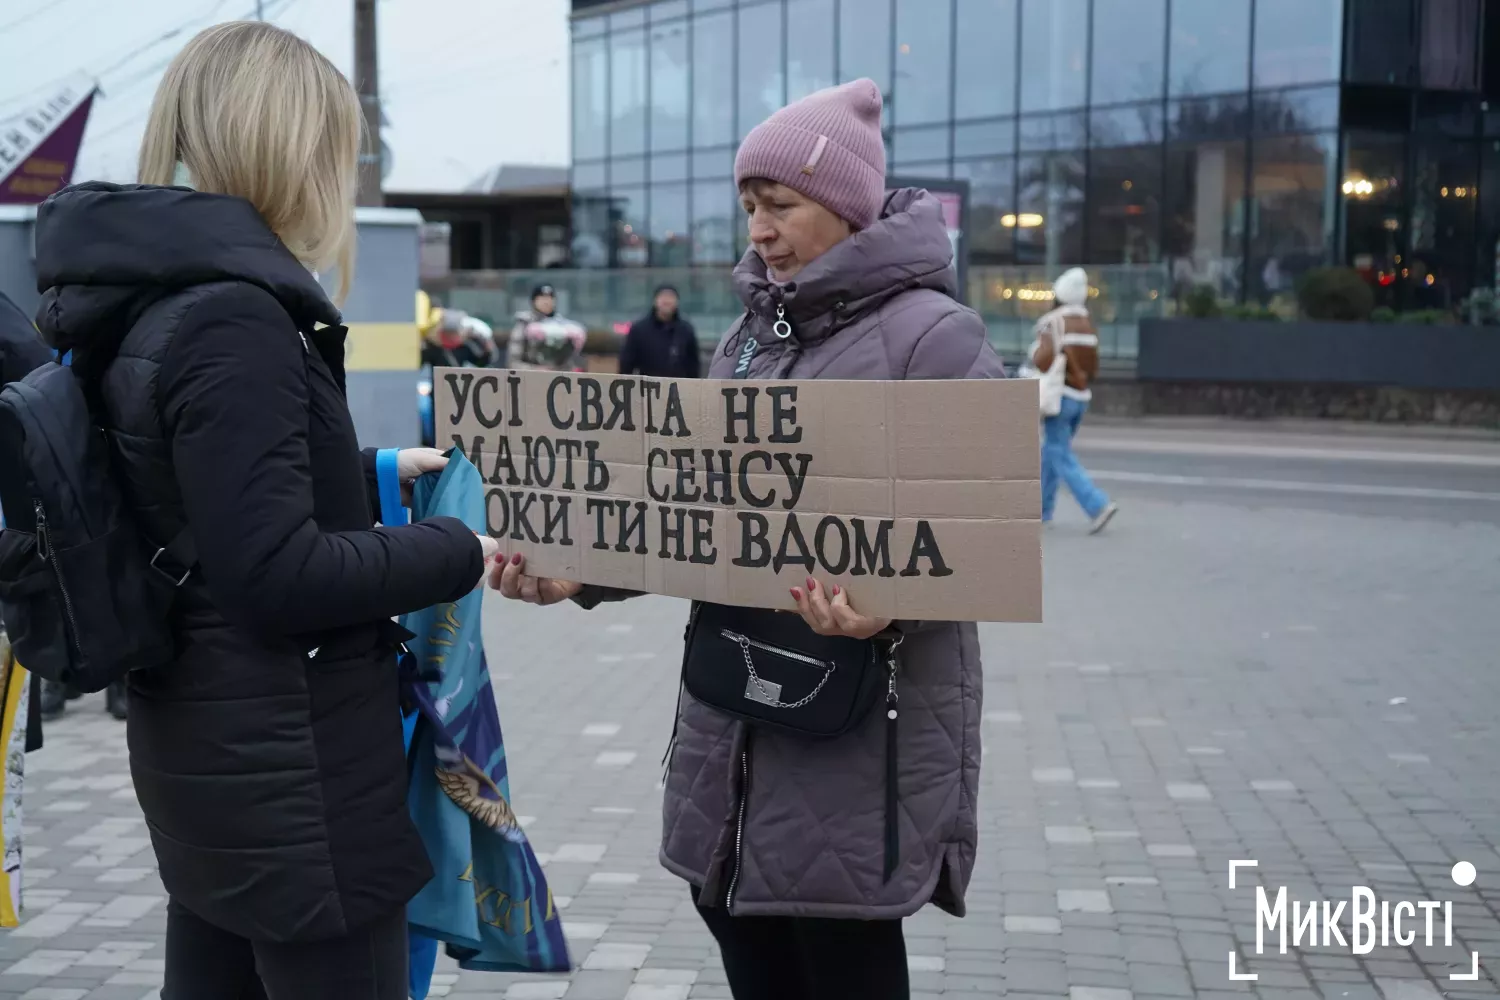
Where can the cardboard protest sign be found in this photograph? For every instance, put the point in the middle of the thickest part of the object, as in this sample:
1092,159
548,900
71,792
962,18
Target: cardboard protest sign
921,498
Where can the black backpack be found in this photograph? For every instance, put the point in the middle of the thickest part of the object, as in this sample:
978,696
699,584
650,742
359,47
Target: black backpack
85,596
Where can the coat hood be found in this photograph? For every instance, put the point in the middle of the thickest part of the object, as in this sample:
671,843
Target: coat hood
907,248
105,252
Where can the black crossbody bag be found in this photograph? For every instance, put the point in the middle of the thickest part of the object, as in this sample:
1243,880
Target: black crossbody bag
770,669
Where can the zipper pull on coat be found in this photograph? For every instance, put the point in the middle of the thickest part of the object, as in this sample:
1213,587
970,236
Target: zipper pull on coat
781,327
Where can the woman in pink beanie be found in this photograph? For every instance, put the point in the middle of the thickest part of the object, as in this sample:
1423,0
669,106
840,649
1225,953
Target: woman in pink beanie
803,854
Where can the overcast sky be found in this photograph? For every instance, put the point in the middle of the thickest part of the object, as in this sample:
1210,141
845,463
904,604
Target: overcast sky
467,84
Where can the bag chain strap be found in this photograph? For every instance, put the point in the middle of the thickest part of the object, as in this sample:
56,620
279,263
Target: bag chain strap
744,645
891,696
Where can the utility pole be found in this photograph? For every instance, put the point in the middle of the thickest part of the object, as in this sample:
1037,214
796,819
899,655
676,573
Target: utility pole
260,10
367,82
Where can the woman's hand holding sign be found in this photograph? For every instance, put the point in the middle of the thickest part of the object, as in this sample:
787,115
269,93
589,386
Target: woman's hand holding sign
832,615
511,579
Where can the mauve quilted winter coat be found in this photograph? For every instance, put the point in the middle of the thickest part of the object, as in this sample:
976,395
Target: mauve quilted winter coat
877,306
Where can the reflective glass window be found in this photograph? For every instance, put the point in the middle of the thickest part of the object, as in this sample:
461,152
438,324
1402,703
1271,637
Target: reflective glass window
1204,202
1450,44
1304,109
865,41
924,54
1379,41
1209,50
713,80
986,64
1297,41
1130,39
669,86
716,215
588,176
1054,51
809,47
762,84
670,232
992,208
1292,210
627,93
1125,191
985,138
1049,209
915,145
628,213
590,98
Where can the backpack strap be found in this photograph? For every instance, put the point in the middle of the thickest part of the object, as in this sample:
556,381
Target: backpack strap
177,559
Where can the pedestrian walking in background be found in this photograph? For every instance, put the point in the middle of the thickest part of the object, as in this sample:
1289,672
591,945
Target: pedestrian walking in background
661,344
267,757
543,339
804,854
459,341
1069,329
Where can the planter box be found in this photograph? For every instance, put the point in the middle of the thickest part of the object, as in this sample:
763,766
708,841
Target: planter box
1315,353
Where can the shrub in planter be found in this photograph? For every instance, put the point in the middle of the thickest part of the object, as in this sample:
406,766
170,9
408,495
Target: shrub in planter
1261,314
1201,302
1335,293
1382,314
1427,317
1482,308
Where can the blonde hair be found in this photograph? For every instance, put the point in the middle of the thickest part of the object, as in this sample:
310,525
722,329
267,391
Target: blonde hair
252,110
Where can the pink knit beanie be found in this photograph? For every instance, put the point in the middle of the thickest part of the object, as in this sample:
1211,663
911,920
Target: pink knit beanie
827,146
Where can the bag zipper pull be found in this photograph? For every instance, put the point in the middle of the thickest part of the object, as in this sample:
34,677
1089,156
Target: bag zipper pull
43,544
891,697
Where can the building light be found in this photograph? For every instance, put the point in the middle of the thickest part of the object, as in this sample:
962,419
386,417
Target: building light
1127,184
1358,187
1431,280
1391,225
1443,191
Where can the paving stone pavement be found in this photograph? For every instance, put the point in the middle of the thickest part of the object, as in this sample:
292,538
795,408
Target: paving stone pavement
1316,691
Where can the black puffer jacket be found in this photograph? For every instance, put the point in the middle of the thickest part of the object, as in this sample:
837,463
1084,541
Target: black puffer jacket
267,758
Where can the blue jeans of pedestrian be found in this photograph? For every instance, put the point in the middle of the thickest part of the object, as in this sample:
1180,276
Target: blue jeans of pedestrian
1060,465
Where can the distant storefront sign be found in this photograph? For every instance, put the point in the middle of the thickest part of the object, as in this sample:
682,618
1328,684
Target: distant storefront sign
39,144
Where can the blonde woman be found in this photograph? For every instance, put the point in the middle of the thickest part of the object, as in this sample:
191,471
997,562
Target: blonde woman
267,757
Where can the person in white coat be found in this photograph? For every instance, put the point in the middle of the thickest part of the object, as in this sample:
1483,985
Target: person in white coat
1068,329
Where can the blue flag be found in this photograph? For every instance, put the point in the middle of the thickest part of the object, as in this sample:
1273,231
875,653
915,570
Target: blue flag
488,901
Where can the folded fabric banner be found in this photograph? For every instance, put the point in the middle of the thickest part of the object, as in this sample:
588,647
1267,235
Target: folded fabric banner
15,692
488,902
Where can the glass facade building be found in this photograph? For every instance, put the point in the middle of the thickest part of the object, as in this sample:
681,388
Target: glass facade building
1229,142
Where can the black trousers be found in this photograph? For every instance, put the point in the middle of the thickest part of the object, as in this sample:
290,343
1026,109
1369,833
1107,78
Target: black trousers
206,963
803,958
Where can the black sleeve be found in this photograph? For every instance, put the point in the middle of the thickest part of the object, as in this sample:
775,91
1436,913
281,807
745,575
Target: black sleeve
591,596
691,360
372,480
234,389
21,347
628,351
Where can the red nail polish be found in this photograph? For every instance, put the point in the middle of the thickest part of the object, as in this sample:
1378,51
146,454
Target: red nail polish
516,559
796,594
811,584
836,590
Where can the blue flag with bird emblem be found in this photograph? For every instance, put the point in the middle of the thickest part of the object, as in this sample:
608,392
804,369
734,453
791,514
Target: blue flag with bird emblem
488,902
